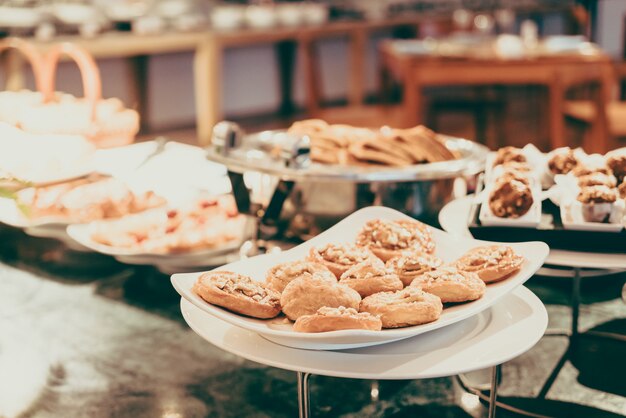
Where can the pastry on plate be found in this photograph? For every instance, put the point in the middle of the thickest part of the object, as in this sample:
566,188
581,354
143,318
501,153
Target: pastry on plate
388,239
371,277
597,202
508,154
451,284
306,294
339,257
412,264
335,319
238,293
491,262
584,170
563,161
281,274
403,308
510,198
596,179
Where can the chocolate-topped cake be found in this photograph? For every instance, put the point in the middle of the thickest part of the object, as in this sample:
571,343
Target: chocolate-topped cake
563,162
509,154
510,198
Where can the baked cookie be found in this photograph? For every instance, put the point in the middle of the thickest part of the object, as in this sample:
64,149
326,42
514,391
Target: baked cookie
280,275
403,308
238,293
371,277
388,239
491,262
410,265
339,257
335,319
306,294
451,284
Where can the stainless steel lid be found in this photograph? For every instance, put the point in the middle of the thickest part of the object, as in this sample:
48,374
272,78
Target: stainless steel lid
286,156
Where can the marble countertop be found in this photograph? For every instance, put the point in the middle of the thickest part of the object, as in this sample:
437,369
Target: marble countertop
82,335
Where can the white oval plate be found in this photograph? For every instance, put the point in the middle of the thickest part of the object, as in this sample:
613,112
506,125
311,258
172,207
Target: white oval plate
449,248
494,336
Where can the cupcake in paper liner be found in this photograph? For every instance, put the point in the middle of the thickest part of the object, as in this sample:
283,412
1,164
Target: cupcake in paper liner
616,160
560,161
597,203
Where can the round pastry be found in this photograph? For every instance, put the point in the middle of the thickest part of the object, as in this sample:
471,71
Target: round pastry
596,179
510,198
563,162
597,202
280,275
238,293
508,154
491,262
403,308
410,265
371,277
339,257
616,160
335,319
451,284
582,170
306,294
388,239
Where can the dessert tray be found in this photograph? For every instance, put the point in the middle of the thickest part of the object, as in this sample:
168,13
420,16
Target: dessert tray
279,330
557,216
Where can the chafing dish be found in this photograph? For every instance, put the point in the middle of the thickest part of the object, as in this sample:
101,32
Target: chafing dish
308,196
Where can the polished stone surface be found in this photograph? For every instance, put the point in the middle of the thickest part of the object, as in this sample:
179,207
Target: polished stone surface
84,336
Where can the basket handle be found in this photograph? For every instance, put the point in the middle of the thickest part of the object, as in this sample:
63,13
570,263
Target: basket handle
30,52
90,74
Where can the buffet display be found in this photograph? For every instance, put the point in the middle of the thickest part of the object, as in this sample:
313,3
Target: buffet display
566,197
377,276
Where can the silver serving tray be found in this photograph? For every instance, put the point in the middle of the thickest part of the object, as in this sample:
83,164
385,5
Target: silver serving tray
255,154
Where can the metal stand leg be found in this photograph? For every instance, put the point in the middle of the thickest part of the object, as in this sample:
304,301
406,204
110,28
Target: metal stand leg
304,407
493,393
575,301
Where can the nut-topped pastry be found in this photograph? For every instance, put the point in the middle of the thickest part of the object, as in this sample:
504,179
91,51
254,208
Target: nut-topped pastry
280,275
508,154
403,308
510,198
451,284
596,179
583,170
563,162
371,277
335,319
238,293
339,257
410,265
388,239
491,262
597,202
616,160
306,294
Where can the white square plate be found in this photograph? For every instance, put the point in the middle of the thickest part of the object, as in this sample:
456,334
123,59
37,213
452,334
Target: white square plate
449,248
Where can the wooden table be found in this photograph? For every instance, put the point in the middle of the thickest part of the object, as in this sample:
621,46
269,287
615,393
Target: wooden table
556,73
208,47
